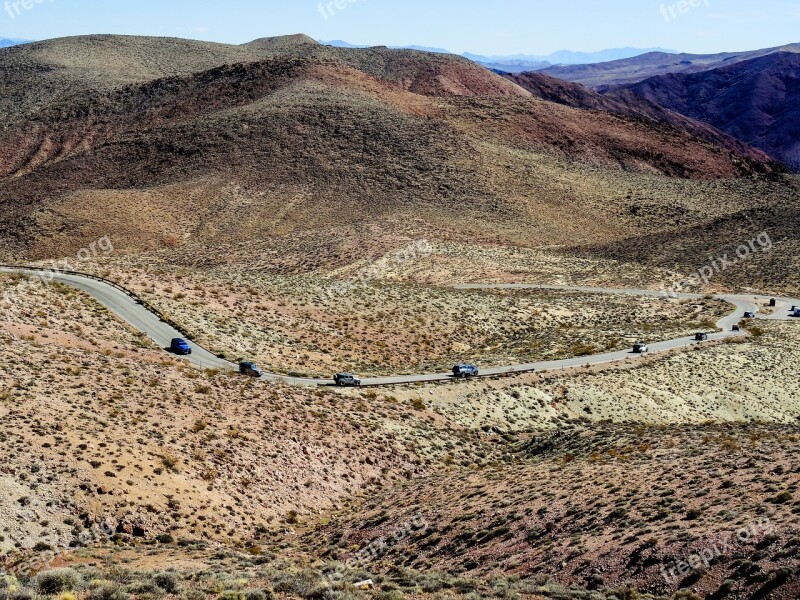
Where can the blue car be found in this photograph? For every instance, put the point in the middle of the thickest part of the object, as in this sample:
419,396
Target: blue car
180,346
465,371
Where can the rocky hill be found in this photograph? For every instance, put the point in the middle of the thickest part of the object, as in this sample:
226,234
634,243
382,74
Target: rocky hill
756,101
147,137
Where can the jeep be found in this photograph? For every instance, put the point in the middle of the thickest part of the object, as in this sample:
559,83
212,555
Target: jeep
346,380
465,371
701,337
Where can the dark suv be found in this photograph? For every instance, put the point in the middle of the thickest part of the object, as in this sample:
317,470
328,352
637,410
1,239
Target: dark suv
701,337
346,380
180,346
250,369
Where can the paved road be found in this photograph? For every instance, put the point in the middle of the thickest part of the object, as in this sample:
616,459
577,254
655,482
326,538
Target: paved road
127,307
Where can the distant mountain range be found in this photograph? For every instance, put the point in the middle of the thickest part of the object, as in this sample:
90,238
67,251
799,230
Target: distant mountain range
518,63
343,44
752,96
638,68
6,42
756,101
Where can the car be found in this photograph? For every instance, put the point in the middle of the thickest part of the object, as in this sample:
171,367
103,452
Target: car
640,348
773,302
346,380
796,312
465,371
736,328
749,315
701,337
250,369
180,346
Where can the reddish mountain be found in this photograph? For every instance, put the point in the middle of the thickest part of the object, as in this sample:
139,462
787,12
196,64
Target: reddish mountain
625,103
756,101
146,136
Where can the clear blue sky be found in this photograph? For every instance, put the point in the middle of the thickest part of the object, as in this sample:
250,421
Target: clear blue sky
480,26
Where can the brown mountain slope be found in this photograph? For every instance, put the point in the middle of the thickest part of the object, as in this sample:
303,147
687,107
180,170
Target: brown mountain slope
311,137
626,103
603,507
757,101
34,75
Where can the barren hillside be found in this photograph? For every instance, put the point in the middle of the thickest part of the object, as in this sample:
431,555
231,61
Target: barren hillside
311,135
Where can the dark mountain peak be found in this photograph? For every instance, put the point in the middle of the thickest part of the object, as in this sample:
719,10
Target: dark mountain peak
626,103
757,101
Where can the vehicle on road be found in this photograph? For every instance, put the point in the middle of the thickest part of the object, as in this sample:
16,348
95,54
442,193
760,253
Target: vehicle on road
250,370
701,337
465,371
346,380
796,312
773,302
736,328
180,346
749,315
640,348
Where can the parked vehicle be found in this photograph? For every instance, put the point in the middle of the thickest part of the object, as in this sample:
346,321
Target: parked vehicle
250,370
346,380
640,348
465,371
749,315
180,346
701,337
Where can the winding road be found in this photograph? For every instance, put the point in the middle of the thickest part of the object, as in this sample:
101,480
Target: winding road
143,318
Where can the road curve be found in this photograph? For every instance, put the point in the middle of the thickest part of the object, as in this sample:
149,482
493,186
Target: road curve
143,318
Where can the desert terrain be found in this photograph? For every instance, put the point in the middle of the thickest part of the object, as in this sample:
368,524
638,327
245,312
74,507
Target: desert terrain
313,209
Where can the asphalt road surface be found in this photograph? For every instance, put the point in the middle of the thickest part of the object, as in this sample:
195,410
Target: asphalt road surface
127,307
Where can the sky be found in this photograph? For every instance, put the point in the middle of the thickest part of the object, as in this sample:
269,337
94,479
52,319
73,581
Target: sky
489,27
